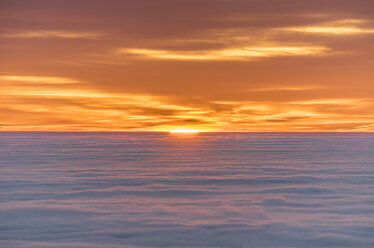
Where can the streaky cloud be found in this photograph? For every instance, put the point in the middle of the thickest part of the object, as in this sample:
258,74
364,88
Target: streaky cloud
52,34
238,54
38,79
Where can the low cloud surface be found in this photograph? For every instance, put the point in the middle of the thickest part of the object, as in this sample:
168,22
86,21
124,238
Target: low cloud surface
169,190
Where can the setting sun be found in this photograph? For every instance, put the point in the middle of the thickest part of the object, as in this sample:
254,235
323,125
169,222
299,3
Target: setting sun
184,130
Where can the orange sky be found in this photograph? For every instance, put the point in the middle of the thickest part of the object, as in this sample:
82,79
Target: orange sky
214,65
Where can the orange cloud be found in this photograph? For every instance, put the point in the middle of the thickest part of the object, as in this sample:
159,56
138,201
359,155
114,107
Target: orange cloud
37,79
341,27
242,53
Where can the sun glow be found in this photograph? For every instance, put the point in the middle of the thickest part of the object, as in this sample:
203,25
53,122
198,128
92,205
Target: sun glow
184,130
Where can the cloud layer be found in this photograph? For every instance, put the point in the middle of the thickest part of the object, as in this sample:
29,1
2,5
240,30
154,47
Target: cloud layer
206,190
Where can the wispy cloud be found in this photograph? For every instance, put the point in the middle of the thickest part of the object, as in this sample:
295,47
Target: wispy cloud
241,53
338,101
52,34
332,30
38,79
286,88
340,27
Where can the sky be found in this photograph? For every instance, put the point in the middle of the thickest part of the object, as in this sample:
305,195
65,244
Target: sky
209,65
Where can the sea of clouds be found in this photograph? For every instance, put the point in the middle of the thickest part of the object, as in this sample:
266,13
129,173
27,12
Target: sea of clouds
204,190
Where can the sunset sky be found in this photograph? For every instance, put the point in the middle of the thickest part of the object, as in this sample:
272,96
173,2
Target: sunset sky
210,65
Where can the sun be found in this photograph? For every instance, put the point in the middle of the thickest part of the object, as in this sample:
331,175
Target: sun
184,130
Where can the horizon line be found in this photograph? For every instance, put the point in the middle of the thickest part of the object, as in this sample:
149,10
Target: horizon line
144,131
